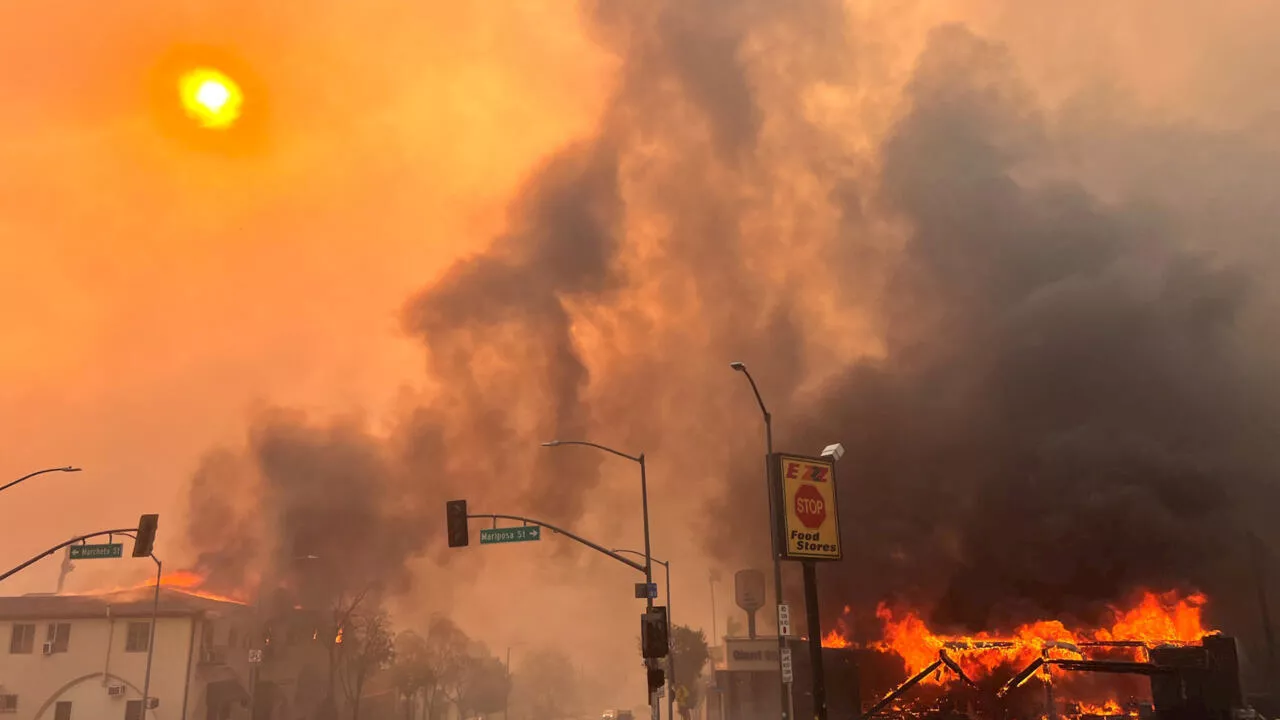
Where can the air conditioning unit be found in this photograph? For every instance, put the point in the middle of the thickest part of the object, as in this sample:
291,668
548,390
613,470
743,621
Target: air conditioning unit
115,691
47,648
153,703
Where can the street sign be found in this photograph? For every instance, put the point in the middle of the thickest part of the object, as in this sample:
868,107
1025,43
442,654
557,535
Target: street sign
255,657
786,665
784,620
524,533
97,552
646,590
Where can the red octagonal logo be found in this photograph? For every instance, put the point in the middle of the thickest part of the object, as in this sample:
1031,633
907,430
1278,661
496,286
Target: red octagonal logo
810,507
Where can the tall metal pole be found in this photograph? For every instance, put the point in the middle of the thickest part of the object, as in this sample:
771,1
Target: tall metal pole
151,642
671,651
715,626
785,687
817,671
28,476
506,700
648,559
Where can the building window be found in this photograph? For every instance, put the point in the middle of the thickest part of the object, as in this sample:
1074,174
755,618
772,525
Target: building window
60,635
139,637
62,711
8,703
133,710
22,640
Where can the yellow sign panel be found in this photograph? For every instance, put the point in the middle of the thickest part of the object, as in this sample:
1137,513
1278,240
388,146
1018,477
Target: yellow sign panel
809,525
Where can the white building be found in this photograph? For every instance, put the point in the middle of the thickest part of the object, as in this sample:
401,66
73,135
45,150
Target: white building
66,657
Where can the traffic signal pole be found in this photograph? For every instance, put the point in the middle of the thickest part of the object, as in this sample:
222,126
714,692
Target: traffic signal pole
78,539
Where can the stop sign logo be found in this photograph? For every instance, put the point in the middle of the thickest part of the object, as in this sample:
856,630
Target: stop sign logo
810,507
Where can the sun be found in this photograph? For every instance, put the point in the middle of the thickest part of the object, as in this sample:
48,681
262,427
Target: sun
210,98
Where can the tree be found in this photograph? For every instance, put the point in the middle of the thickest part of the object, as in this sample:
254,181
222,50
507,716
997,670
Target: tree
365,646
411,672
547,685
448,650
482,688
690,652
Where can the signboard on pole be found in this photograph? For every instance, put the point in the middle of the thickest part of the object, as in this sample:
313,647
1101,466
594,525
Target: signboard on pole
787,675
646,590
784,620
96,552
255,657
808,522
524,533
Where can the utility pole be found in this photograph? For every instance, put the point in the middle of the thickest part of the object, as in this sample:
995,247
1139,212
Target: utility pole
785,687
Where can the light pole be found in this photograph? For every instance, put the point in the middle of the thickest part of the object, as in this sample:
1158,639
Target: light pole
28,476
644,503
785,687
506,700
671,639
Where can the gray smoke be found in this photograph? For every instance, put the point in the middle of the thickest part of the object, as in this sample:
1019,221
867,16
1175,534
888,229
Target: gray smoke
1073,398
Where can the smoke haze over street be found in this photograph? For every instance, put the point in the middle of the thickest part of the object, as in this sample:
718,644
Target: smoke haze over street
1015,256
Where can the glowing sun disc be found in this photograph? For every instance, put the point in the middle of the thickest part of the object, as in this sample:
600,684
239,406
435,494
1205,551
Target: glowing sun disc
210,98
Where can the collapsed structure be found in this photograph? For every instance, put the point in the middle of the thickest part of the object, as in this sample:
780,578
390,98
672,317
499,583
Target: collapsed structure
1184,681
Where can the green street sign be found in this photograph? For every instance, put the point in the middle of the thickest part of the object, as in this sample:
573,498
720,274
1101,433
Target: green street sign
97,552
524,533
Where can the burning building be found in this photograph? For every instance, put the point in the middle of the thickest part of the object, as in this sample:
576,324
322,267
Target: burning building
79,656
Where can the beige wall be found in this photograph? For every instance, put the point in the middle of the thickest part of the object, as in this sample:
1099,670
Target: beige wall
78,674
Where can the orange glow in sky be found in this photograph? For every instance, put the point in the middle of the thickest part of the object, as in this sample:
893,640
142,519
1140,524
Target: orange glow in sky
210,98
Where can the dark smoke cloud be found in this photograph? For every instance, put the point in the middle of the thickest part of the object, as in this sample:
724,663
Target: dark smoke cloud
1064,409
1060,413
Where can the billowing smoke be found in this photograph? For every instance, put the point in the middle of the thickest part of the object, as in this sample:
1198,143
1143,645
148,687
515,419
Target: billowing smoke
1036,331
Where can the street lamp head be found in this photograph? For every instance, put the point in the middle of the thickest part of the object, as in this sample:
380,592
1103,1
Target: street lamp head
739,366
552,443
834,451
69,468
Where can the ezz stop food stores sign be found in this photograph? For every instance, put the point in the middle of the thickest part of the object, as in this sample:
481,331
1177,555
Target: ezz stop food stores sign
808,522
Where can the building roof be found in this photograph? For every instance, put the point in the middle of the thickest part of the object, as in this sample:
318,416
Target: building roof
134,603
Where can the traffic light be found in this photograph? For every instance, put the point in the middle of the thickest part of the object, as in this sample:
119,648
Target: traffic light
146,535
653,634
456,513
657,678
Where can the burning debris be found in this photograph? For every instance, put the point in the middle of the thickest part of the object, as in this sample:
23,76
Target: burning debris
1080,671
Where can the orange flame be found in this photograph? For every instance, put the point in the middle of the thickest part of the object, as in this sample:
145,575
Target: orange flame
1156,618
183,581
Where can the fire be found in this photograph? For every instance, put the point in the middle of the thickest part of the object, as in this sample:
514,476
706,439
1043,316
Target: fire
337,640
183,581
1109,708
1156,618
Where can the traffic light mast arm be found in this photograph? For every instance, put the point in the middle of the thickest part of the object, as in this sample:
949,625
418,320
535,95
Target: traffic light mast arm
566,533
59,546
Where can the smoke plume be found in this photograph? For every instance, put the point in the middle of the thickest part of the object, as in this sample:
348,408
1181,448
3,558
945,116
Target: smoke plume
1039,334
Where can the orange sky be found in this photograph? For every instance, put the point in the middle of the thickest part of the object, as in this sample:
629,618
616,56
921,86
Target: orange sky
153,293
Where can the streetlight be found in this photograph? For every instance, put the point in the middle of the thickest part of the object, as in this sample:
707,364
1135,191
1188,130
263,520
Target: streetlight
671,655
644,502
773,535
28,476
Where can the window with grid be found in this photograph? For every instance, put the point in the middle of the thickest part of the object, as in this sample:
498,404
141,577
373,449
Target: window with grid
139,637
133,710
60,635
22,640
62,711
8,703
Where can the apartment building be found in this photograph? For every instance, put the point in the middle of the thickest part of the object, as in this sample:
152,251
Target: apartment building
79,657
